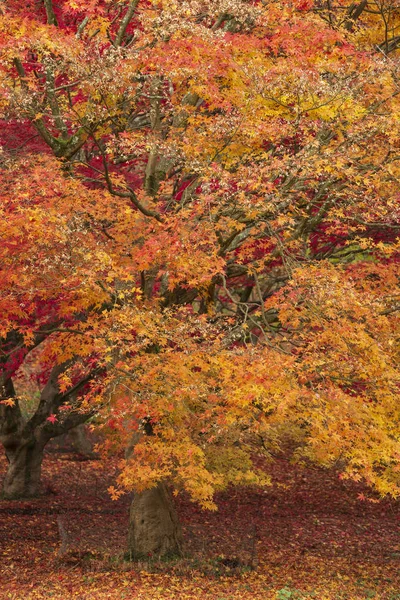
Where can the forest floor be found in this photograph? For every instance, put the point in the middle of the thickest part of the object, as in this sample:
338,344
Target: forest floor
307,536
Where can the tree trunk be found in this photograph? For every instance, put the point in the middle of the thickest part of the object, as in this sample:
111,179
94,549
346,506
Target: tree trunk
22,479
154,528
24,440
80,441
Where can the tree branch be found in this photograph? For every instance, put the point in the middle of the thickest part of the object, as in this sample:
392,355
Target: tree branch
354,13
130,194
11,418
124,23
51,430
81,27
51,17
51,398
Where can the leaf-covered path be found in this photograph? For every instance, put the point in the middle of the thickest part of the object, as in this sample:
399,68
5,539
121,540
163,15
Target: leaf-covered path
308,536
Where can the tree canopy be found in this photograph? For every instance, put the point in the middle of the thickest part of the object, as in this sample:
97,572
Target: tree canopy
200,232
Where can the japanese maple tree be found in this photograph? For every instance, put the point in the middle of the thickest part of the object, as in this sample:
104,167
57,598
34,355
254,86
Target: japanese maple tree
201,232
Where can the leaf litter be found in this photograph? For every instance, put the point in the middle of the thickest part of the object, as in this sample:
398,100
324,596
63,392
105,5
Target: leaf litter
309,535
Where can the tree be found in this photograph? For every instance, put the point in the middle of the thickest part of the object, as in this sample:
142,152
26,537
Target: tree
213,267
38,300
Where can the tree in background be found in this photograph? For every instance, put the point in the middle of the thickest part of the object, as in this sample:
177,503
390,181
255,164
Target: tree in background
200,231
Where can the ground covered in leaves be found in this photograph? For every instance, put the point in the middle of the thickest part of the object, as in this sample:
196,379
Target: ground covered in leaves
307,536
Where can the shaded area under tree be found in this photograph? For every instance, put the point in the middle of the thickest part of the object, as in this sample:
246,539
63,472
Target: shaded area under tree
308,532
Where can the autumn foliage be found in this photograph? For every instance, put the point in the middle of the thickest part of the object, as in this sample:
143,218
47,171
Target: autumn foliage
200,234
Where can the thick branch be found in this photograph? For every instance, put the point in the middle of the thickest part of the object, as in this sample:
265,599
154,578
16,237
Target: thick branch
51,399
389,45
219,21
37,123
354,13
48,399
81,27
11,419
65,147
51,430
125,22
130,194
51,17
55,108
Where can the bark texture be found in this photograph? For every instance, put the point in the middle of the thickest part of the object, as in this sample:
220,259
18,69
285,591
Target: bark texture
22,479
154,529
80,441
